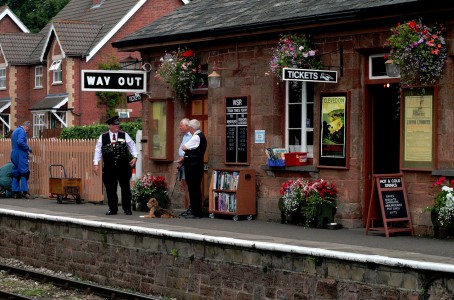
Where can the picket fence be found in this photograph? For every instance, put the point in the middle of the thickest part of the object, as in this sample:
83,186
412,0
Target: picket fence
51,157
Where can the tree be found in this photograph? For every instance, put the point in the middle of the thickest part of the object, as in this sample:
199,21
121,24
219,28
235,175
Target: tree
35,14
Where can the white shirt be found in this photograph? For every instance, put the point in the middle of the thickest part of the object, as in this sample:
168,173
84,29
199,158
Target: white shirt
129,142
194,142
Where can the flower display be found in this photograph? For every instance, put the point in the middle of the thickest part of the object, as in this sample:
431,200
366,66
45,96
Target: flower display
180,70
149,186
420,52
444,202
305,197
294,51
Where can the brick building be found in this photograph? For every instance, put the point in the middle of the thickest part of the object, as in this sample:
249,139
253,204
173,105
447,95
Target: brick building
42,71
351,36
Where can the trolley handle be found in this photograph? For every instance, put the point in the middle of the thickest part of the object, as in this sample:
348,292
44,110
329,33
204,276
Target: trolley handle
61,166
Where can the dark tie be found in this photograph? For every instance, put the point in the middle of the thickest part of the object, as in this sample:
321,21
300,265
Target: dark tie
113,137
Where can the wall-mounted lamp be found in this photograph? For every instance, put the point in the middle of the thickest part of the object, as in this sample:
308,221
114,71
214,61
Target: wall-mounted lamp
392,70
214,79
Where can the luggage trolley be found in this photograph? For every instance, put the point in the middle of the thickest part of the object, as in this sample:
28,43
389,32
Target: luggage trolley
63,187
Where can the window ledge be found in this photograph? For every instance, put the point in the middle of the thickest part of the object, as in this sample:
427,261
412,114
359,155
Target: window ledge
308,168
444,172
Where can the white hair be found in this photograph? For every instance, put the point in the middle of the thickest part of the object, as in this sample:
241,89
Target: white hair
195,124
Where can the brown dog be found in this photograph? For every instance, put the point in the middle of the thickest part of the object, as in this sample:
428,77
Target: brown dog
158,212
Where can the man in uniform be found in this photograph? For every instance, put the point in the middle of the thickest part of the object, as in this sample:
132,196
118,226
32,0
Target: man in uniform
116,147
19,157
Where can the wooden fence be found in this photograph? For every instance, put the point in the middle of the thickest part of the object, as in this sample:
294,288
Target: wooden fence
76,157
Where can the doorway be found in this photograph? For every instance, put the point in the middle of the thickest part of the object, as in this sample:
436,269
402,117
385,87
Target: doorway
385,128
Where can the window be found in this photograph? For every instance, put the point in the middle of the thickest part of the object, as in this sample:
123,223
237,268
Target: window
39,123
123,114
299,121
377,67
38,76
56,69
4,124
3,78
161,129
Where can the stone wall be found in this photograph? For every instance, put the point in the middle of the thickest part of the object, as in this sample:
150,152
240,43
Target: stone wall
202,269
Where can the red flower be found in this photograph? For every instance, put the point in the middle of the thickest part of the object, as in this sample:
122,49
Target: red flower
188,53
413,25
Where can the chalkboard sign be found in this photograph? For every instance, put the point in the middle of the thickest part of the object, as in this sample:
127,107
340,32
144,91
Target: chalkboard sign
393,204
236,134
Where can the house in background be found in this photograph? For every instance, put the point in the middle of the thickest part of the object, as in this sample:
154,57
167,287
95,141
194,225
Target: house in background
237,41
42,71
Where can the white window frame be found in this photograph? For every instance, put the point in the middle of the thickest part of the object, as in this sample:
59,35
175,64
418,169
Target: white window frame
2,78
39,123
57,71
304,127
38,76
381,56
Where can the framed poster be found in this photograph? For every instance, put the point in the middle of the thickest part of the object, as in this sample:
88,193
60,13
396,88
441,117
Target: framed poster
237,130
334,131
418,130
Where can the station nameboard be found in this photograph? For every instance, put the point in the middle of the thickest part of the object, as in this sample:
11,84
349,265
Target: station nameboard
114,81
293,74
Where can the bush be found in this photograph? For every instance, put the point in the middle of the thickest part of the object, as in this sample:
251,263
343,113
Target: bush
94,131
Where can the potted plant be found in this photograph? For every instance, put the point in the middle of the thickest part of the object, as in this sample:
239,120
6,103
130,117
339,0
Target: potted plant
294,51
311,202
147,187
419,51
442,211
180,70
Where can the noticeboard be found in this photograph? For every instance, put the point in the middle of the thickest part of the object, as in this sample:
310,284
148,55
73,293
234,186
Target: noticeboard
392,204
237,130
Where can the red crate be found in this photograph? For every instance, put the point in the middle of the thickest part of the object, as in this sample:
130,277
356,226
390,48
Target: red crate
293,159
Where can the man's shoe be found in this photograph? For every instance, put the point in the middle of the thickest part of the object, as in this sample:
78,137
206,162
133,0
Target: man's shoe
192,216
187,212
128,212
17,195
111,212
26,195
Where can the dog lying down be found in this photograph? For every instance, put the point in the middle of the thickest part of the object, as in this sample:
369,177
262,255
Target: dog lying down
158,212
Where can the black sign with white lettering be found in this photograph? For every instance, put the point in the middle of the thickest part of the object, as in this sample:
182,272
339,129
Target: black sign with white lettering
236,135
114,81
391,193
133,98
309,75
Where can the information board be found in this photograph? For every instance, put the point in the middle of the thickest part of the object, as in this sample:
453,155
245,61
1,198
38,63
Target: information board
392,204
237,130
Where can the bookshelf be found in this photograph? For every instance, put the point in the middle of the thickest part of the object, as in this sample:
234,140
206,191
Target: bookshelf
233,192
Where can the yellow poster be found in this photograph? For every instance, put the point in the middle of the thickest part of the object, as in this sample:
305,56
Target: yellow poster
418,128
333,127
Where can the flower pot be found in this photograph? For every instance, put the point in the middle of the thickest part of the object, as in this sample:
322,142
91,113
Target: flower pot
325,215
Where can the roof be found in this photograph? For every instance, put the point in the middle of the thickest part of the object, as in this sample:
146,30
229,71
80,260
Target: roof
50,102
18,47
205,18
6,11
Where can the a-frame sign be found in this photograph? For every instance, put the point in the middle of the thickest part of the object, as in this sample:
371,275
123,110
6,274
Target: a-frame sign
390,210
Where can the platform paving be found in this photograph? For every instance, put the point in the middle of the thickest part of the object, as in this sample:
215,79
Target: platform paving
343,241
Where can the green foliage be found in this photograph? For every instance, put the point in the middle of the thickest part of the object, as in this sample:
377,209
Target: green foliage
94,131
110,99
35,14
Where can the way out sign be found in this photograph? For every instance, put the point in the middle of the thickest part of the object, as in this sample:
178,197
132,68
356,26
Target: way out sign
114,81
293,74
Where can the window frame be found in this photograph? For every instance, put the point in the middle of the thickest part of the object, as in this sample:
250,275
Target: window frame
168,153
39,123
304,146
39,77
57,73
3,78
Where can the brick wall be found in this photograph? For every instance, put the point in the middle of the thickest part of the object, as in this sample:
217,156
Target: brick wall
190,269
7,25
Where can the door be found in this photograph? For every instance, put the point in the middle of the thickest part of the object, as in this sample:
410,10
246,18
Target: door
382,135
199,110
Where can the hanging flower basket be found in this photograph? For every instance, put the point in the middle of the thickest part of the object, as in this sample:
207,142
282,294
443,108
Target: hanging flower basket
180,70
294,51
419,51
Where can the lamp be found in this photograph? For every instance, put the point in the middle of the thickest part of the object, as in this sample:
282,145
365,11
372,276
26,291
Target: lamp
214,79
392,70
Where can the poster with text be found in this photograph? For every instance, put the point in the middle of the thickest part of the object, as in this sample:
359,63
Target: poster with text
333,127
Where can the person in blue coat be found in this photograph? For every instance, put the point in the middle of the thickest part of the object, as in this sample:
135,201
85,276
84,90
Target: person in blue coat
19,158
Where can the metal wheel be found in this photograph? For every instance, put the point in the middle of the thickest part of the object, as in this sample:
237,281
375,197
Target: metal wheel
59,199
78,201
235,218
211,216
249,218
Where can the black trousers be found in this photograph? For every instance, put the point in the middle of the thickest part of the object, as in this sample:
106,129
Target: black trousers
194,177
112,175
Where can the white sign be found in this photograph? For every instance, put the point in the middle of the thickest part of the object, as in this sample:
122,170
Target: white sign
309,75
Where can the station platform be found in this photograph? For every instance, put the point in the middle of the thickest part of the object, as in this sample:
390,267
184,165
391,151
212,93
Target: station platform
413,251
